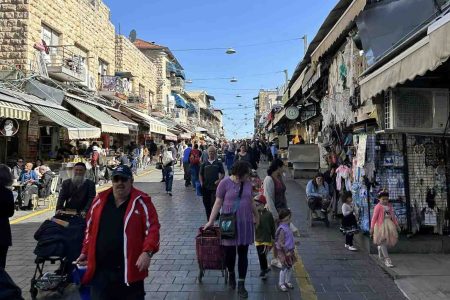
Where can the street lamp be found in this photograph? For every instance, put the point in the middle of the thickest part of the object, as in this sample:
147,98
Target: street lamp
230,51
238,96
233,79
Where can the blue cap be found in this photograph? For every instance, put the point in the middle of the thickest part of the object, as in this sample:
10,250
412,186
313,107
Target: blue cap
123,171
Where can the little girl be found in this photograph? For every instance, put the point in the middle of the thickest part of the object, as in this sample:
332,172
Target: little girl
349,223
384,227
264,235
284,242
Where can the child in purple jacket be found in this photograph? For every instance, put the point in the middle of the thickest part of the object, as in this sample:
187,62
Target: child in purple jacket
284,242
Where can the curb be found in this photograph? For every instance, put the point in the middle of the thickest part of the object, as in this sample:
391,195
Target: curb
389,271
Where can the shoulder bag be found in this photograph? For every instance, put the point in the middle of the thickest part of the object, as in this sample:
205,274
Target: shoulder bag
227,222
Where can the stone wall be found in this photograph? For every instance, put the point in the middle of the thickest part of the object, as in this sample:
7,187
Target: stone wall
131,59
84,23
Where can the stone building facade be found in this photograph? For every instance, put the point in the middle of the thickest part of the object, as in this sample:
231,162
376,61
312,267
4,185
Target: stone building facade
144,72
82,27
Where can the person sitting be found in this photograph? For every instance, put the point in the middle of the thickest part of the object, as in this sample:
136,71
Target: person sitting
17,169
318,193
77,192
45,183
29,180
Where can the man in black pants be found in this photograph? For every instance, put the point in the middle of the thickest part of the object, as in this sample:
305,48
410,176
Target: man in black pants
211,173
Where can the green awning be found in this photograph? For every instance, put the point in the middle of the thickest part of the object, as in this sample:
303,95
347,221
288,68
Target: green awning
76,128
108,123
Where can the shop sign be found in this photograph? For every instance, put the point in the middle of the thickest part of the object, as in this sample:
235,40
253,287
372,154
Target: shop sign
9,127
308,112
292,112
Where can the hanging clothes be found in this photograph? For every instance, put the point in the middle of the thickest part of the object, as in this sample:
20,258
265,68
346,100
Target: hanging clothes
343,172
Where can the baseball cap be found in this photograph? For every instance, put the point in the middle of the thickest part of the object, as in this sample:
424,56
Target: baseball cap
122,171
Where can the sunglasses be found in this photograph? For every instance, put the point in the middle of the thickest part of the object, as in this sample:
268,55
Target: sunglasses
120,178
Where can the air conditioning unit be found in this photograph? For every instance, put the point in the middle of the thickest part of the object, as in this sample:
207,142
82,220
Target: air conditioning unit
416,110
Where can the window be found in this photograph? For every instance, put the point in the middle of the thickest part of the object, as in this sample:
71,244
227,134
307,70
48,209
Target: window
142,91
102,67
51,38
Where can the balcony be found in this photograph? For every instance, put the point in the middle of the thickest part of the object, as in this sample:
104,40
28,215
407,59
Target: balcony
64,64
115,88
137,102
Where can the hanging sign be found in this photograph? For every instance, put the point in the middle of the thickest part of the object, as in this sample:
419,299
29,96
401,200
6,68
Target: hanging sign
308,112
361,153
292,112
9,127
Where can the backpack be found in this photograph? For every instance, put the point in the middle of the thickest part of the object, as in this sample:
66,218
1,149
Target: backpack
194,158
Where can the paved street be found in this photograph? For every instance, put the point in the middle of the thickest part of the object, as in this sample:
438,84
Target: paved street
329,272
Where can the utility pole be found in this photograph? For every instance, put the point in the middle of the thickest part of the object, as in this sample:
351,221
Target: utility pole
286,76
305,44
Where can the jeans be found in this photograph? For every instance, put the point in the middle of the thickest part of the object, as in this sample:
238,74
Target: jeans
315,203
230,259
168,178
194,174
107,285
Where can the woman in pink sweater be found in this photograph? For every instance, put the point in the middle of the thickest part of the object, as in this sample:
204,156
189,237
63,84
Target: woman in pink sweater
384,227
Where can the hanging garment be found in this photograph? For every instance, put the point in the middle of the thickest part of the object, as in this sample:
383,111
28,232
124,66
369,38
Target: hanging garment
343,172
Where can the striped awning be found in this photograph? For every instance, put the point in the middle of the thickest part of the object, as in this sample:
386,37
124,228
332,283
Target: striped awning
108,124
14,111
76,128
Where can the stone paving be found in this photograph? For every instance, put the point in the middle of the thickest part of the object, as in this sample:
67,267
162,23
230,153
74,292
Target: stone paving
174,270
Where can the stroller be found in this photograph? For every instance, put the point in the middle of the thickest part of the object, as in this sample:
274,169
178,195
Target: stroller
59,241
209,251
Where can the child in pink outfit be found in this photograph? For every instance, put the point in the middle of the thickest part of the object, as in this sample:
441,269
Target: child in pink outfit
384,227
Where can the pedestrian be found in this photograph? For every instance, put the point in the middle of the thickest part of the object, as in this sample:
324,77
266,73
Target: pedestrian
194,164
168,162
284,242
153,150
146,158
18,168
211,173
186,166
384,227
234,195
204,157
318,195
122,235
243,155
265,234
274,150
77,192
275,194
349,223
6,212
229,155
161,152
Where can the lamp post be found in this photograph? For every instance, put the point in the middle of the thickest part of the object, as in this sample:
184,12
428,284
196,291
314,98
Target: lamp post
305,44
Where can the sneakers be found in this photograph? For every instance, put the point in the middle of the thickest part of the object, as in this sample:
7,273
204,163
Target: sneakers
242,292
282,287
351,248
276,263
263,274
388,262
170,194
289,285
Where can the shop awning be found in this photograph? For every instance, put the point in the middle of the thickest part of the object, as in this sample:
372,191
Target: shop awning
346,19
108,124
279,116
200,129
191,107
14,110
185,136
179,101
76,128
171,137
123,119
425,55
154,125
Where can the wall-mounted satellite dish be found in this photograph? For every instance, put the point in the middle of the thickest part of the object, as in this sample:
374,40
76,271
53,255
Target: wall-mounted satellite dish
132,36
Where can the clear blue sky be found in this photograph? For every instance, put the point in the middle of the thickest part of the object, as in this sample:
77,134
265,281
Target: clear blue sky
207,24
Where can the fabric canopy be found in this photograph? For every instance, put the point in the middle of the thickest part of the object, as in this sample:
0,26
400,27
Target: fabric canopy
425,55
108,123
338,29
179,101
14,111
154,125
76,128
171,137
123,119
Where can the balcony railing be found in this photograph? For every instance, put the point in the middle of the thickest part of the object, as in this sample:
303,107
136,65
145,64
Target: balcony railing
65,64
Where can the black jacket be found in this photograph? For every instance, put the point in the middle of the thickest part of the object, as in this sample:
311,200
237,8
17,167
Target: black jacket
45,184
79,199
6,212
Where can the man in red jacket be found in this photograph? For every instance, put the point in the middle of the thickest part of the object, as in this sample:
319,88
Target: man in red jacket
121,237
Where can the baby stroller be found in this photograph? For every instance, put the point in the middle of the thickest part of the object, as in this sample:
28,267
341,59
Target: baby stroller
59,241
209,251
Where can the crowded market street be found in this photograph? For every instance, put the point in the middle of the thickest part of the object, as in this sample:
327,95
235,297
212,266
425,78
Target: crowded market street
326,270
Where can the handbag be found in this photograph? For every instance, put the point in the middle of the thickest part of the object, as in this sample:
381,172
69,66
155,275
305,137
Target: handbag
159,166
227,222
